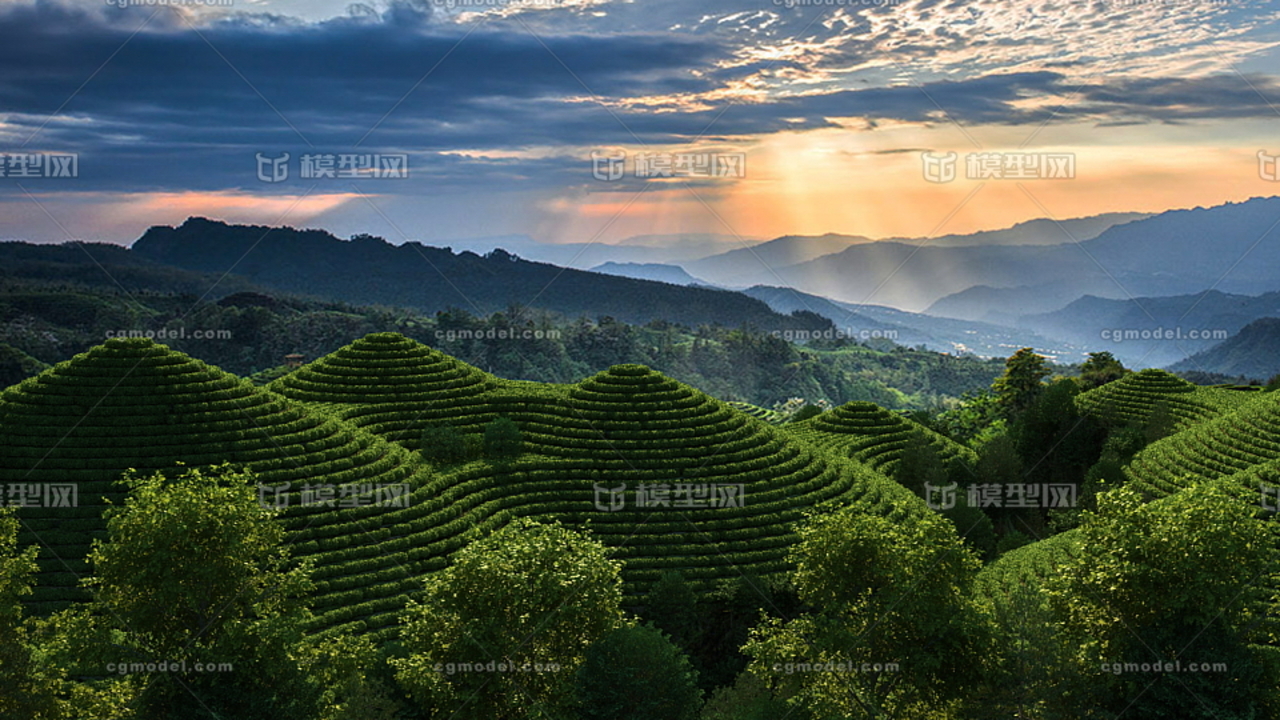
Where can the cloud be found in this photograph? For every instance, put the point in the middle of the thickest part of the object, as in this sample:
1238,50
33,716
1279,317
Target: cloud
157,100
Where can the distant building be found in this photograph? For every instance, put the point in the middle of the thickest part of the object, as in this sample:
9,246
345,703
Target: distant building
294,360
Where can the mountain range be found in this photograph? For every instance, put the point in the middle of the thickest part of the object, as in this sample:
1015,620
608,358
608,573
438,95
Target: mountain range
367,270
1233,247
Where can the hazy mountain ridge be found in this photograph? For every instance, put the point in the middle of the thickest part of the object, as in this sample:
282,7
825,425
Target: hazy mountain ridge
370,271
864,322
658,272
1253,352
1173,253
1103,323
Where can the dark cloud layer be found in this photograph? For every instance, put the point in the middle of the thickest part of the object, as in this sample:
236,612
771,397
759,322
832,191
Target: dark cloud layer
176,107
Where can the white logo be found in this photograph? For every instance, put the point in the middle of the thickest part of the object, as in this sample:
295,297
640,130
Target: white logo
608,167
939,169
278,167
947,493
615,497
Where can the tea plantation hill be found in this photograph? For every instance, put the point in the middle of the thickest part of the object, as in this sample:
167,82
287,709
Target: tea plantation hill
1231,444
773,417
626,425
1133,398
132,403
1224,433
872,435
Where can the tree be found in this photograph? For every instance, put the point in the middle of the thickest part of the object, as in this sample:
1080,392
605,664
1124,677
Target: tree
500,633
1100,369
672,607
28,687
805,413
194,573
502,439
749,698
892,629
1178,580
919,465
1021,383
444,444
636,673
976,415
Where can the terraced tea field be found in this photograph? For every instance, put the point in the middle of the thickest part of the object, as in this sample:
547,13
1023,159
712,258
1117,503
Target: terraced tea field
720,490
869,434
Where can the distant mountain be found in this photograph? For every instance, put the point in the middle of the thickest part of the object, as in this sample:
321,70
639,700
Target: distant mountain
368,270
1235,247
1186,324
110,267
1003,306
760,265
658,272
665,249
1042,231
755,265
866,322
1254,352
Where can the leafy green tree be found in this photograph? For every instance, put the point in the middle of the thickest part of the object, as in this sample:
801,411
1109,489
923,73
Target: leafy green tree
500,633
636,673
444,444
194,572
28,687
672,606
1055,442
806,412
1031,673
749,698
974,417
1178,580
919,465
1100,369
502,439
1021,383
893,627
1012,540
726,615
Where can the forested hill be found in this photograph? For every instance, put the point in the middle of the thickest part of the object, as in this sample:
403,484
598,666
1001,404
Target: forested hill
368,270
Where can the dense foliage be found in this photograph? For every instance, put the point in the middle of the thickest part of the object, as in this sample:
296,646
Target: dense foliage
626,546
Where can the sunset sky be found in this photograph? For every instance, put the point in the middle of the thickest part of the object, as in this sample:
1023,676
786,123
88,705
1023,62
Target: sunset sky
498,107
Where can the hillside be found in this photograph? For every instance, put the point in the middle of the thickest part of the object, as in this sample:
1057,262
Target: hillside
1220,447
1133,398
134,403
368,270
1165,254
940,334
658,272
870,434
1252,352
1095,322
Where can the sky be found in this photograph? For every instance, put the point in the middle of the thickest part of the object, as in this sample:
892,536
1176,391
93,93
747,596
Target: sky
556,119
